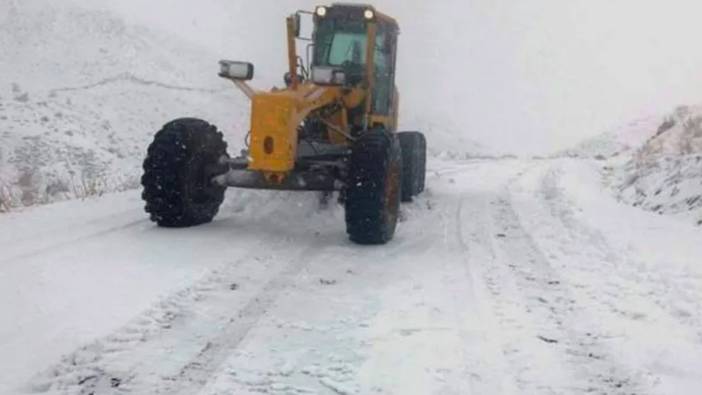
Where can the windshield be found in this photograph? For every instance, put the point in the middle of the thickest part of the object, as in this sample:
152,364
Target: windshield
346,47
340,42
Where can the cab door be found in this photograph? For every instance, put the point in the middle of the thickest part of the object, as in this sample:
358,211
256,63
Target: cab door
384,59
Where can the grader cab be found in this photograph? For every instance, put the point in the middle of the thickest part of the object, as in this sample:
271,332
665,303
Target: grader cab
333,127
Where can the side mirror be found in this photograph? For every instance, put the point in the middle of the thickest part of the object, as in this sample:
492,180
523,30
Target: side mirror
298,23
304,25
236,70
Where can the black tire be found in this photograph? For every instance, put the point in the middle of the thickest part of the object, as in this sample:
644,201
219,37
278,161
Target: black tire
374,188
178,169
414,162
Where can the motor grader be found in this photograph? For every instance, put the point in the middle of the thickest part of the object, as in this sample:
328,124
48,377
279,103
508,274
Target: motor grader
333,127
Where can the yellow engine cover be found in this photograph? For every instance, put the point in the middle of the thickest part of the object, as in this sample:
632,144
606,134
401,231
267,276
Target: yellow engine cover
274,121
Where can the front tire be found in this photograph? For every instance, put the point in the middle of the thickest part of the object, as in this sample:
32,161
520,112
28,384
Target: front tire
178,171
374,188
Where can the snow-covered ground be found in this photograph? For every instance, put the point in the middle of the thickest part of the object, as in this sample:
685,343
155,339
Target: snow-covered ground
514,277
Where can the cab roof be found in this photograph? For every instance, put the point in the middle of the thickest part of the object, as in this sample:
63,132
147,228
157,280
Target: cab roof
355,11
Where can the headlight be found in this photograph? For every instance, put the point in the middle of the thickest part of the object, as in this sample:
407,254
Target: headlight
328,76
236,70
321,12
369,14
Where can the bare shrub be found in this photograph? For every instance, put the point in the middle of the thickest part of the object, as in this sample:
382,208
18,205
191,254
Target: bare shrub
27,184
693,126
6,200
667,124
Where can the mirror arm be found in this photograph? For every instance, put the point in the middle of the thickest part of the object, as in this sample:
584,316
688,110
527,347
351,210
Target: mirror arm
245,88
292,53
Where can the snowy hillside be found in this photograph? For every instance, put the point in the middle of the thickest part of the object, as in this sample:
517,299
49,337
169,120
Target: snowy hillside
665,174
679,134
447,140
84,93
618,141
654,163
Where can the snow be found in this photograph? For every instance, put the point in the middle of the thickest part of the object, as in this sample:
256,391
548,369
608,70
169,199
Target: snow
652,274
653,163
84,94
619,141
508,276
87,89
668,185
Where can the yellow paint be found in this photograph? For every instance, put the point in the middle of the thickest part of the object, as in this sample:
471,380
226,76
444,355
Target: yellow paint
273,116
277,115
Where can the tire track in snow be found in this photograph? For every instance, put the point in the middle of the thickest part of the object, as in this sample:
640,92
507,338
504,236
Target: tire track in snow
136,358
511,320
336,355
665,292
474,245
559,314
515,321
68,242
538,314
196,373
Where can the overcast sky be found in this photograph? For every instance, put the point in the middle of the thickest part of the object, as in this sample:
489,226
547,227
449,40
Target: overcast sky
524,76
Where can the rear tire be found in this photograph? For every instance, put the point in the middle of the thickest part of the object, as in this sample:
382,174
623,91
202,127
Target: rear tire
414,159
374,188
178,169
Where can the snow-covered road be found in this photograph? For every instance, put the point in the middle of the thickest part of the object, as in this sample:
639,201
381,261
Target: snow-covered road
506,277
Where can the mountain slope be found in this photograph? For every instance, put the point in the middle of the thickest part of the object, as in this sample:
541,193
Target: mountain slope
665,174
621,140
84,93
654,163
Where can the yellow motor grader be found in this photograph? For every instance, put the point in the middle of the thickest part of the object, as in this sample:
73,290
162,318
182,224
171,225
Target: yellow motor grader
332,128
